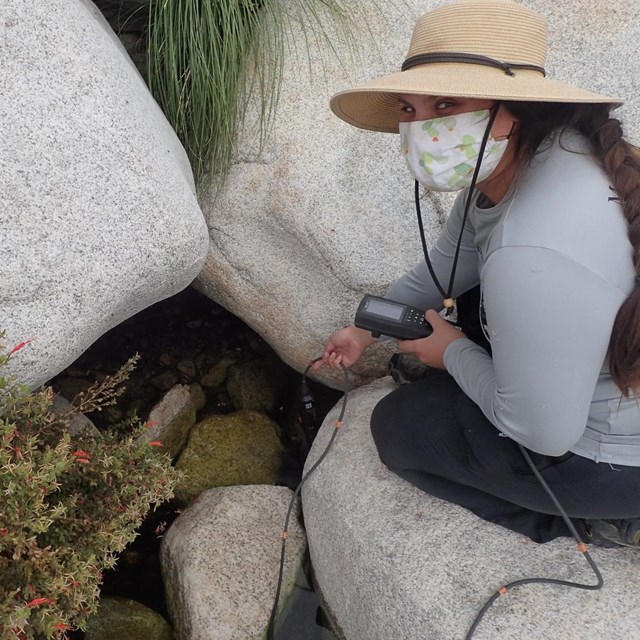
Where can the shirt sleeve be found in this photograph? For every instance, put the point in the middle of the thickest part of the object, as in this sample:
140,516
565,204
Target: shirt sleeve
550,320
416,287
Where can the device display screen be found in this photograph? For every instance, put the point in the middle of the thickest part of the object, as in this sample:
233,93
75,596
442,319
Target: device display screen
385,309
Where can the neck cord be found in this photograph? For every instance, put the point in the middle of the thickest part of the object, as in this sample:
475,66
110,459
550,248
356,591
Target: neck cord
448,301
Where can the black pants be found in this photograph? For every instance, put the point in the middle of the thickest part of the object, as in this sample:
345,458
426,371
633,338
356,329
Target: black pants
433,435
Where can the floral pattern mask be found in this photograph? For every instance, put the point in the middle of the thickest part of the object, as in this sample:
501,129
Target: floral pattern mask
442,153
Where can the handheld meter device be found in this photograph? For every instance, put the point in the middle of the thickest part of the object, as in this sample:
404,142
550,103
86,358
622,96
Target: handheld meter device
389,318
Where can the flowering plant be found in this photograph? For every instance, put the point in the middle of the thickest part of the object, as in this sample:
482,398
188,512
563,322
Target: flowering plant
68,505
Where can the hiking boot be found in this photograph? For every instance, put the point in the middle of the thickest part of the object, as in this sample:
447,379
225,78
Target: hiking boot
614,533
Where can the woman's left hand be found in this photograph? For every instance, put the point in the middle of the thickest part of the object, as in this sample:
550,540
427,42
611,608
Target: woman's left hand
431,350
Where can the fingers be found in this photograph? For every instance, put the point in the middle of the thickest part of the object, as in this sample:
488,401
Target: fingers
433,317
443,326
343,349
331,359
335,359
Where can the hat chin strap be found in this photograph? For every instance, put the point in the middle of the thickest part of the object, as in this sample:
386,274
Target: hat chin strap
468,58
448,301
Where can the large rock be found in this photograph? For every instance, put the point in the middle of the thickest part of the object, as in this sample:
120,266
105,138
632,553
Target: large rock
220,562
171,420
255,385
393,562
326,213
119,618
99,217
79,426
231,449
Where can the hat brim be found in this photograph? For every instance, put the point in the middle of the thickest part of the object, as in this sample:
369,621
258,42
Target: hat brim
374,105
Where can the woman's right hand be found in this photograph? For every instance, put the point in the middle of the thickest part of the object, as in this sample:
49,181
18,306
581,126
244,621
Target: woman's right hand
344,347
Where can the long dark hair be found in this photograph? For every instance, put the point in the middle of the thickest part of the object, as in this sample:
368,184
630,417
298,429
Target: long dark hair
621,162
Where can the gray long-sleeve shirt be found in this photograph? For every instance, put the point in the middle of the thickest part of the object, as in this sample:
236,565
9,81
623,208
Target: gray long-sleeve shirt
555,263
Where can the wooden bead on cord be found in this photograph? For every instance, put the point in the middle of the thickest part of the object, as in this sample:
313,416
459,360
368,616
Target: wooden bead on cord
449,303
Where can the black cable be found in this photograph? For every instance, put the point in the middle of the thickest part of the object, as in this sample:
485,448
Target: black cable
581,547
500,592
285,531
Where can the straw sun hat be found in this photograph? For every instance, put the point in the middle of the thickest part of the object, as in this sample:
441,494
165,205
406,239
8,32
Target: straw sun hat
492,49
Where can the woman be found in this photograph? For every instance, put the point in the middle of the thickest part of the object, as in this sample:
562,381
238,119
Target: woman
548,224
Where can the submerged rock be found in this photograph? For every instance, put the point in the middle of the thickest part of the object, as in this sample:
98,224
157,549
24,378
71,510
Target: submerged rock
120,618
198,395
234,449
217,374
254,385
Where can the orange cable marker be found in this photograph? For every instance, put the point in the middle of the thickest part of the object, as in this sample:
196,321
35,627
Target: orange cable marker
337,424
502,590
285,534
582,547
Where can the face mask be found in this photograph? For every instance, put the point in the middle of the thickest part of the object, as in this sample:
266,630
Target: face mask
442,153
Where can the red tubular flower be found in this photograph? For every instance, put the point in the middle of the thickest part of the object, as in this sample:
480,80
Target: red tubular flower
20,345
81,456
156,443
36,602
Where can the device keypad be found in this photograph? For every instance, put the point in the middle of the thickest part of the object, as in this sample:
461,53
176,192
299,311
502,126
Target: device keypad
414,316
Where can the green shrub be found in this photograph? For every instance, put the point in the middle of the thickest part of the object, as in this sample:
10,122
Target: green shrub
67,506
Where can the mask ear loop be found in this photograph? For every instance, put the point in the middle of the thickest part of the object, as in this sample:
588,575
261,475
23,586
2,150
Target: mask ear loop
448,301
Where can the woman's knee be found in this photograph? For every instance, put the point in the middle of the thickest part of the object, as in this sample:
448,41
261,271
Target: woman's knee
405,423
380,422
387,430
